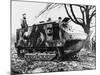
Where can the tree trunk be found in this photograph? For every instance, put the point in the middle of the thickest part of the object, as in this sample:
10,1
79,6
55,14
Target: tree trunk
86,28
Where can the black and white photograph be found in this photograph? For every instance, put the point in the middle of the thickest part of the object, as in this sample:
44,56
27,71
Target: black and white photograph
52,37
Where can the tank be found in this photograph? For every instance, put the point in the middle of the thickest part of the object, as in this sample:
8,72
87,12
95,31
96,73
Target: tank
47,41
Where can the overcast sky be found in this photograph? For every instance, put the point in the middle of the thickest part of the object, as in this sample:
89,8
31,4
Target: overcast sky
32,9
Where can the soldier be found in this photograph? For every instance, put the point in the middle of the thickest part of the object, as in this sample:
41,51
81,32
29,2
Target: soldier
60,31
59,19
34,36
24,24
49,19
65,22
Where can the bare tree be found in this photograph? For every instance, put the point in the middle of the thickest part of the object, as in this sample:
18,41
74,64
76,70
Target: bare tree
87,11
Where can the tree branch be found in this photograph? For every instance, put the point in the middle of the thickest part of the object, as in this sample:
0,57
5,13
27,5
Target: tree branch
45,9
91,7
82,15
68,13
75,16
78,5
93,14
92,26
73,13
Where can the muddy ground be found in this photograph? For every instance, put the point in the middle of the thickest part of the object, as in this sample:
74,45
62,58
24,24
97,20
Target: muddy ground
86,61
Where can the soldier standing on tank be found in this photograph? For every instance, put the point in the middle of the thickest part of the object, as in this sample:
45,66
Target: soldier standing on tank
24,27
60,31
24,24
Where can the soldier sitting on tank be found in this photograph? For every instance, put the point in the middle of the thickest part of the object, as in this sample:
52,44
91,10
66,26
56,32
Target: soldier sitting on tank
49,20
63,24
33,36
65,21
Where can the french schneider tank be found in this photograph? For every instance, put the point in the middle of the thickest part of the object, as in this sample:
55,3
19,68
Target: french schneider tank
48,40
